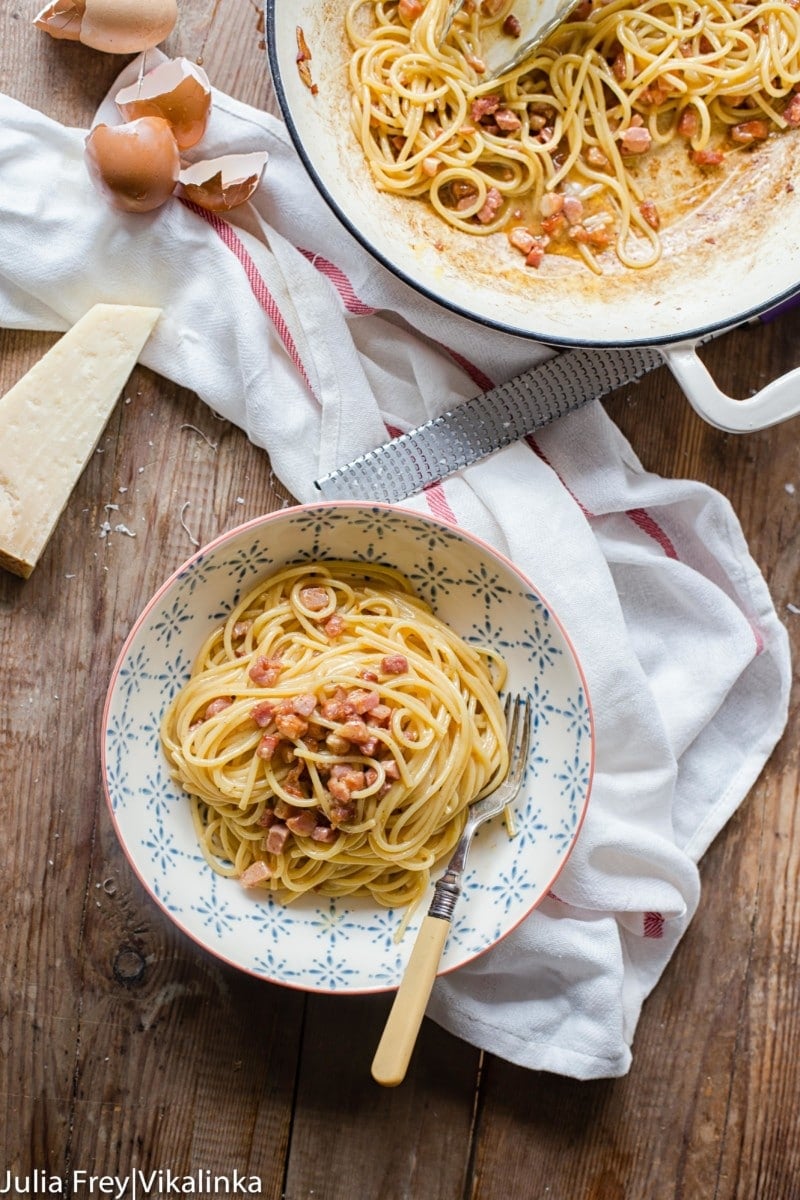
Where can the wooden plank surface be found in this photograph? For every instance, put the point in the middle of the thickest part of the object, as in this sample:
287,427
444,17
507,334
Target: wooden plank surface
123,1045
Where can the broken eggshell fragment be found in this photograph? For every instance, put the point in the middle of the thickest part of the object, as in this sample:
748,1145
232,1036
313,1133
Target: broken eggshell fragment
62,19
177,90
115,26
219,184
135,165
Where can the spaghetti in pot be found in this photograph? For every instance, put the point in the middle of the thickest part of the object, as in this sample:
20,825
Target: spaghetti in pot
556,152
333,733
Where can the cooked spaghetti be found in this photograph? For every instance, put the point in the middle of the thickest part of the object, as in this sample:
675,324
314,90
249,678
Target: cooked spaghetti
333,733
557,152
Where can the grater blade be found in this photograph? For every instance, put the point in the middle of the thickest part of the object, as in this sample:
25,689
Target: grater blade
496,418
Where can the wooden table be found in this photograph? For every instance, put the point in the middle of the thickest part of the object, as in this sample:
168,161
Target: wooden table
124,1046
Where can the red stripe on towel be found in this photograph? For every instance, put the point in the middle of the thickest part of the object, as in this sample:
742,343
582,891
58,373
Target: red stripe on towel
352,304
653,925
258,285
340,281
642,518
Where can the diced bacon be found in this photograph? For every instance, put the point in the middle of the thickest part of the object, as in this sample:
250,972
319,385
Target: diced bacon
263,713
598,237
339,790
512,26
650,213
370,745
595,157
304,704
573,209
353,777
337,744
689,122
340,813
750,131
391,769
490,8
791,113
304,823
466,199
324,834
217,706
655,94
290,724
267,746
409,10
367,673
618,68
314,598
335,707
281,809
707,157
241,629
536,253
484,106
266,819
255,874
551,203
430,165
370,775
277,836
334,625
507,120
636,140
363,701
554,225
356,731
381,715
265,671
521,239
490,207
394,664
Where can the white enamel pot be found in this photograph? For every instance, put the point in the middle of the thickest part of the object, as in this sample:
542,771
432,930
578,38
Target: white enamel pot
731,258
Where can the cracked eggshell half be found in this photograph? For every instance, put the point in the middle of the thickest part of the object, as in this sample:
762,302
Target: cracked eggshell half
135,166
177,90
114,26
219,184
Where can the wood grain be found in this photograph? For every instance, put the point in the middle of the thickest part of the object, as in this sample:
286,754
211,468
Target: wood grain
122,1044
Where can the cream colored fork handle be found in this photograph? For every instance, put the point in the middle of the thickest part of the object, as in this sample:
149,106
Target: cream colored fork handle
400,1033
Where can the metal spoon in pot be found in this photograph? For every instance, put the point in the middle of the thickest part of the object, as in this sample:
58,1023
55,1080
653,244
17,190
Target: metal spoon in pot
532,21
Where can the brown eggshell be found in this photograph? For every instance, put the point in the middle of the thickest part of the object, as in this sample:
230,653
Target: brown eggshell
220,184
61,19
177,90
127,26
136,165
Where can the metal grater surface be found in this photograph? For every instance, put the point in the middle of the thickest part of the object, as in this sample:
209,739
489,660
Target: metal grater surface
478,427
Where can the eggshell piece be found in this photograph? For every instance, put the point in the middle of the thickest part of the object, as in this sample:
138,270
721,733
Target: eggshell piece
177,90
135,165
220,184
127,26
61,19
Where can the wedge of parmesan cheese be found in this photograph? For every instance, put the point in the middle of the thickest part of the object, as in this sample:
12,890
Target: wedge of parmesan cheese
51,420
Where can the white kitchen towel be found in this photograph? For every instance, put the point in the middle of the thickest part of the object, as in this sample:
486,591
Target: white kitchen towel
281,322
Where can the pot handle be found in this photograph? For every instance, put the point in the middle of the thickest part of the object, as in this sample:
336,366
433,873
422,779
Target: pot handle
776,402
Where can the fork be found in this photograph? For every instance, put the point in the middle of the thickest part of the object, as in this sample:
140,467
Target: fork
537,18
402,1026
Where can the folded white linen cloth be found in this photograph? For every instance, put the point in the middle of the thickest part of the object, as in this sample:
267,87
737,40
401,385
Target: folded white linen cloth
281,322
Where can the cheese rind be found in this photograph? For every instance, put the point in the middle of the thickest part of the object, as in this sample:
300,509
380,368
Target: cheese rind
51,420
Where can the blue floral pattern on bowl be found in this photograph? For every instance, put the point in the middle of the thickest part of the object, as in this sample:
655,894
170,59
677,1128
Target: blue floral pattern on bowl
316,943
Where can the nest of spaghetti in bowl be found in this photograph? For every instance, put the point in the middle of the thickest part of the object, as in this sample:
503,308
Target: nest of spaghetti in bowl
298,721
